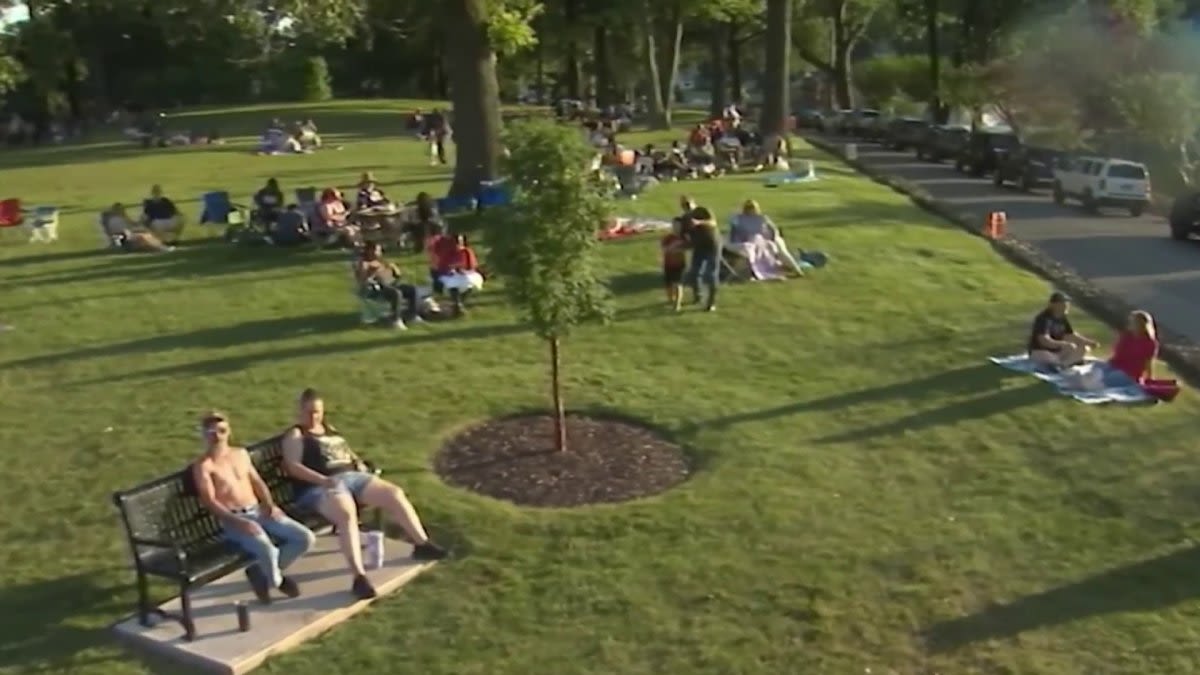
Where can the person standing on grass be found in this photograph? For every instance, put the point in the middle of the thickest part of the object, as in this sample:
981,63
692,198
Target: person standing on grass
231,489
437,131
330,479
705,270
674,264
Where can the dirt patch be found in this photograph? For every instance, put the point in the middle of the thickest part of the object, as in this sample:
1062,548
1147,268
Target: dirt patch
606,461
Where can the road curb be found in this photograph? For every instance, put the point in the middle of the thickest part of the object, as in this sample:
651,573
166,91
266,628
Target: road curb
1178,350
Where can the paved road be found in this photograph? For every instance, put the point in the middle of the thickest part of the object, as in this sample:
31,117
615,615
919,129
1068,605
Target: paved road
1133,258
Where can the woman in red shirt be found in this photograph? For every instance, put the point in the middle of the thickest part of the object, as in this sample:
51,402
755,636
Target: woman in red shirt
1132,360
458,270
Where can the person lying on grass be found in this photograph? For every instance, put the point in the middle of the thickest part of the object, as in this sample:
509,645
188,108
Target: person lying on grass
331,479
231,489
122,233
379,279
1053,341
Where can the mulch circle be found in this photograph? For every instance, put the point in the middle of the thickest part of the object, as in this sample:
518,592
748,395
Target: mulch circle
606,461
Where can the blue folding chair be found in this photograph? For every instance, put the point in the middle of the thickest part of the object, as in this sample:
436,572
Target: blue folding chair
495,194
451,205
220,210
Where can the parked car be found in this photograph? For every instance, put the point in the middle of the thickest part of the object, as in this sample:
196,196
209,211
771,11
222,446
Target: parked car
809,118
1026,166
904,132
978,156
835,121
860,121
1185,216
946,140
1103,181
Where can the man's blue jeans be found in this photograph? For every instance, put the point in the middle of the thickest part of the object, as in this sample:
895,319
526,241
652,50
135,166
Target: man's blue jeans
294,541
706,269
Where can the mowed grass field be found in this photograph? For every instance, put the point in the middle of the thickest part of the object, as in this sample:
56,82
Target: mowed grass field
870,494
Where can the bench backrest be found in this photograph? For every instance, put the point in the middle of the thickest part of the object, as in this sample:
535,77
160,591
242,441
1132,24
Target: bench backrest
168,510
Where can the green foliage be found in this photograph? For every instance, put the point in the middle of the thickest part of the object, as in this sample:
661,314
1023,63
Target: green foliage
1163,109
510,24
316,80
11,73
546,246
889,80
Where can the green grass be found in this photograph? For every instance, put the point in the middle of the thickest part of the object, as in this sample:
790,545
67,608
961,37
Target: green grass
865,475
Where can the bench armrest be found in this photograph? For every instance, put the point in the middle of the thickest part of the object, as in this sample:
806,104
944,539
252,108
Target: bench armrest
157,543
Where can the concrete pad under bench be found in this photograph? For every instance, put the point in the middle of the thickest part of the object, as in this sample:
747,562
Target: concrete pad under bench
220,647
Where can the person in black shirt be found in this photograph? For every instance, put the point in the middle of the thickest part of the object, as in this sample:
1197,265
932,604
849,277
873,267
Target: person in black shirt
268,203
160,215
705,241
291,228
1053,340
331,479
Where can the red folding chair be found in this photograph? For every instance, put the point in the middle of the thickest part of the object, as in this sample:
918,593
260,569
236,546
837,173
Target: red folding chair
12,217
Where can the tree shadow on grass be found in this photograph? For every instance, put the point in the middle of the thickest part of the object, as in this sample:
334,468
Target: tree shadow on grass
1144,586
221,337
993,403
55,257
961,381
232,364
37,628
632,283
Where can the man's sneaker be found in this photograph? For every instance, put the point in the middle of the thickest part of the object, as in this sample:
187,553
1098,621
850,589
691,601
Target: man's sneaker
260,585
289,587
428,551
362,588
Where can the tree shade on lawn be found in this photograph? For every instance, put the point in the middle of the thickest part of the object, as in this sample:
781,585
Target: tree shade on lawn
869,492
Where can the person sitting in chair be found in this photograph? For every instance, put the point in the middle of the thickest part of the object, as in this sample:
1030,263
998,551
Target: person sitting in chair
331,479
379,279
334,222
422,221
268,203
161,217
458,270
122,233
369,194
291,228
1053,341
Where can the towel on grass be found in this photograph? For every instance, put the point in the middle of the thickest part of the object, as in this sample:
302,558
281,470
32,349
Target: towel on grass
1021,363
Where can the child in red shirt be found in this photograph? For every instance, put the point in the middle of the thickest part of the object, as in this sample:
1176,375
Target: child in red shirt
674,262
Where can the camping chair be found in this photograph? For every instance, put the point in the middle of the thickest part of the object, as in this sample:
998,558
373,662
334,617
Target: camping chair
629,183
220,210
492,194
734,267
43,227
450,205
12,217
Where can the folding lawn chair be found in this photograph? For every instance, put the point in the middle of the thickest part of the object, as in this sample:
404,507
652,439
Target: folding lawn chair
450,205
220,210
43,226
12,217
492,194
734,267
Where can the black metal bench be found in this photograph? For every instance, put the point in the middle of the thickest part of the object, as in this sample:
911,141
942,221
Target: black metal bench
172,536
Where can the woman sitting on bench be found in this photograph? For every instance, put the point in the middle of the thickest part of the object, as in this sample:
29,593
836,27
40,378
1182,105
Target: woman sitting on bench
123,235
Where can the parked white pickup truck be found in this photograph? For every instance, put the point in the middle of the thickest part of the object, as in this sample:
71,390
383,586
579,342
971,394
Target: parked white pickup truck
1099,181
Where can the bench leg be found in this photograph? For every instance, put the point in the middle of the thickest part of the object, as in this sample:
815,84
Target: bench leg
144,608
185,608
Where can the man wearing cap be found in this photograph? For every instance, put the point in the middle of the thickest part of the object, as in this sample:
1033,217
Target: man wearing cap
231,489
1053,341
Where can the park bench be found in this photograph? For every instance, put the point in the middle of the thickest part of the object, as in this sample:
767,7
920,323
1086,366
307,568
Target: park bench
172,536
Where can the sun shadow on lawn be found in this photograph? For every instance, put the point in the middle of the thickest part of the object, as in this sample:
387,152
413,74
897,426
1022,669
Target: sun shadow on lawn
961,381
37,622
248,333
1149,585
230,364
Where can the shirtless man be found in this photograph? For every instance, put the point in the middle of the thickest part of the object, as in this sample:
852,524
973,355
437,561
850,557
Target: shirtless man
229,486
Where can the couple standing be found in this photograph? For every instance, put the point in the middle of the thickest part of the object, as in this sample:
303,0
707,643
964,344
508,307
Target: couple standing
695,229
329,479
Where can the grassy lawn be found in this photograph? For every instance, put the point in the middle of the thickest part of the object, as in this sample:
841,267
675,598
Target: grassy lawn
865,476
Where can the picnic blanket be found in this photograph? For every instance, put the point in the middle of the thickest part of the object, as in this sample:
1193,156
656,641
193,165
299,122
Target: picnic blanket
1021,363
620,227
807,174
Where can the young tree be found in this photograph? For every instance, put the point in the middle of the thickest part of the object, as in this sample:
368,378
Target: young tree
544,246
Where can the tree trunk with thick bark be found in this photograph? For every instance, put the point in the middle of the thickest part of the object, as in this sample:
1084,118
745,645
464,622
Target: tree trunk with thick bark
560,410
733,52
571,78
719,65
777,85
937,109
600,66
659,118
475,94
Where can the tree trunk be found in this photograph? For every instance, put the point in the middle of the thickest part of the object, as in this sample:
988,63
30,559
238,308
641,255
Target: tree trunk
475,94
659,119
937,109
560,412
733,52
669,67
777,85
842,77
600,66
571,79
719,87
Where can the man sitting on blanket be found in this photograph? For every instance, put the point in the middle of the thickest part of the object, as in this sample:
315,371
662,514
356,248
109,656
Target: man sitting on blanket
1053,341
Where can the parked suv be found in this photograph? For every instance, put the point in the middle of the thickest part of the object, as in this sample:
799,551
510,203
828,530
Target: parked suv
945,141
979,153
1102,181
1026,166
904,132
859,123
1185,216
